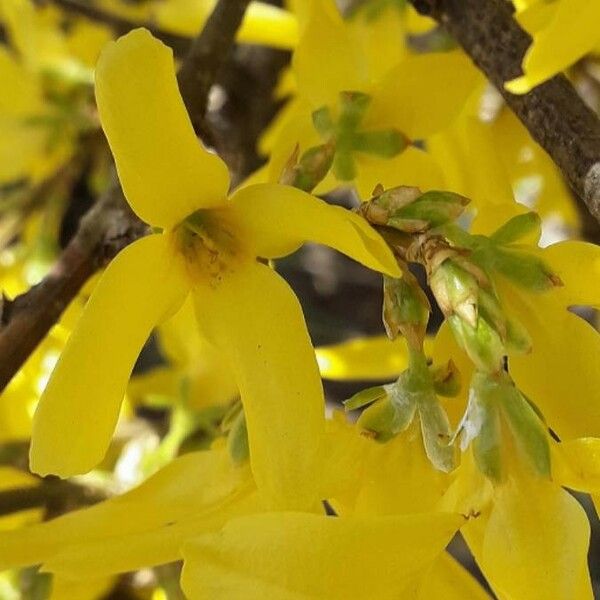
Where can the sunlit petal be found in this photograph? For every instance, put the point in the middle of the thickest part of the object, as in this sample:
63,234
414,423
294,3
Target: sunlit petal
282,218
293,556
253,317
165,172
78,412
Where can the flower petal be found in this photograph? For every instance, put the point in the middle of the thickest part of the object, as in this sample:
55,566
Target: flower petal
253,317
536,543
578,266
327,60
363,359
563,384
78,411
282,218
571,34
196,493
294,555
449,580
164,170
408,96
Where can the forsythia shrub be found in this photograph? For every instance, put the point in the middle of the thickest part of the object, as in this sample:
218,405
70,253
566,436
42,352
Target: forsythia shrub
215,469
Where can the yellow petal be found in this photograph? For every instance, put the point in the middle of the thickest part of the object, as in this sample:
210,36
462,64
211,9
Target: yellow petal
363,359
576,464
411,167
78,411
293,556
570,35
578,266
327,60
76,589
564,384
408,96
164,170
536,543
282,218
277,375
263,23
194,494
449,580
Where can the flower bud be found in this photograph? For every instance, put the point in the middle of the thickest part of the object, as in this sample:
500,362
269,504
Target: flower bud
525,270
385,419
306,173
456,291
528,224
433,207
405,309
482,343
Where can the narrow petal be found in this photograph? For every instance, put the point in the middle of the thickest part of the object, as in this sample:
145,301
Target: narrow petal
363,359
578,266
165,172
255,319
327,60
78,411
536,543
194,494
408,96
564,385
295,556
80,589
449,580
570,35
282,218
411,167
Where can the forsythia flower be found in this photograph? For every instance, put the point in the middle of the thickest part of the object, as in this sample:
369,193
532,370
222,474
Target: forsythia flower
563,32
362,101
208,247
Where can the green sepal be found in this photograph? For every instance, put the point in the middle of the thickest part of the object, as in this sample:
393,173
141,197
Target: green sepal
436,432
365,397
385,143
517,228
384,419
530,434
237,440
525,270
437,208
447,380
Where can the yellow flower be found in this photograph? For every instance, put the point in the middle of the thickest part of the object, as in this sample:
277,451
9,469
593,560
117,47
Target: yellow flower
563,32
361,95
262,24
208,246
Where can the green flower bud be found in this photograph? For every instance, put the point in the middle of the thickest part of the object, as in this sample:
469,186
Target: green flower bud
306,173
482,343
456,291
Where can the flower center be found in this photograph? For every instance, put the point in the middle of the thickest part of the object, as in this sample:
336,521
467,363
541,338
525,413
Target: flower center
212,242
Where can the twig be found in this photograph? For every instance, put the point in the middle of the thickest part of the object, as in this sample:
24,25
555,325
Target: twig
110,225
47,494
206,57
180,44
556,117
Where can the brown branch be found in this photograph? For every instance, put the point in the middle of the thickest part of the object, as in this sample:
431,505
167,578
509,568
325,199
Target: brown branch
110,225
48,494
556,117
206,57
